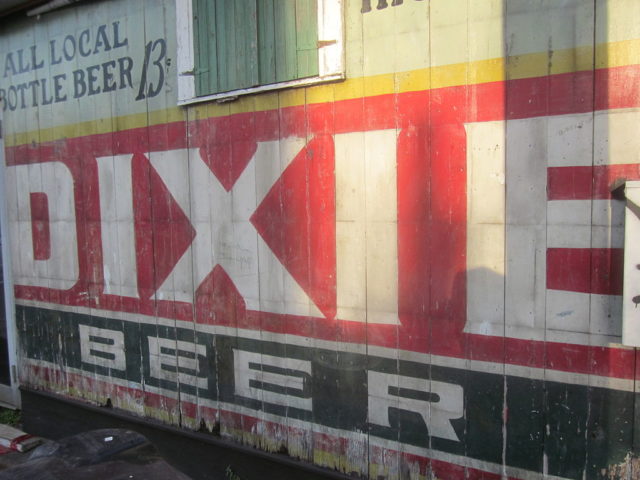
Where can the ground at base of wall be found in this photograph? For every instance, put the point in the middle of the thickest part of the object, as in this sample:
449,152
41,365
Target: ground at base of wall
54,418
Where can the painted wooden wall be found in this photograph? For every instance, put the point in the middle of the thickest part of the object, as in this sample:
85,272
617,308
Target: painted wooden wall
412,273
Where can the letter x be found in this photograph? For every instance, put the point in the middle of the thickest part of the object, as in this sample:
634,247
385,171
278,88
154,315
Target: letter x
224,233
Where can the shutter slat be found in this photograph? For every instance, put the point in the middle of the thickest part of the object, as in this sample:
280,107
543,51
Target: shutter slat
202,44
266,41
286,57
225,19
246,54
306,38
211,83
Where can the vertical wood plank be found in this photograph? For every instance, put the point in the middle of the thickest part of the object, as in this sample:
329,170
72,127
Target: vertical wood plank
286,64
225,44
266,41
211,40
201,42
306,38
246,38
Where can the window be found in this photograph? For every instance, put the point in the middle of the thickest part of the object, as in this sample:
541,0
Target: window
229,48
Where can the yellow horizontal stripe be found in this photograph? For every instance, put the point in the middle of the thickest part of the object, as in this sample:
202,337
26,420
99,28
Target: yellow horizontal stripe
96,127
531,65
618,54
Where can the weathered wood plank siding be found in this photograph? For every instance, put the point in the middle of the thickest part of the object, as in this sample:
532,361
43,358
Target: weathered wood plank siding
416,272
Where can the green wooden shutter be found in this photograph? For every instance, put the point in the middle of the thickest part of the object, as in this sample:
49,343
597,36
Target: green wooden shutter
245,43
307,38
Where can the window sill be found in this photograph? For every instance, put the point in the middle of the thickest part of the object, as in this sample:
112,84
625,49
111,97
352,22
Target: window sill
232,95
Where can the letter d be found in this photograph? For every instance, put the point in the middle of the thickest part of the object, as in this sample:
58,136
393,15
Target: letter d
59,270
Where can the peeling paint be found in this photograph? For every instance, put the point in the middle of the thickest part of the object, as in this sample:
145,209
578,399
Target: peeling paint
629,469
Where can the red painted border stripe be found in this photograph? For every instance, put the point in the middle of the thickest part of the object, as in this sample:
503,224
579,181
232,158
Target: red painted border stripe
617,87
569,183
607,178
586,270
588,182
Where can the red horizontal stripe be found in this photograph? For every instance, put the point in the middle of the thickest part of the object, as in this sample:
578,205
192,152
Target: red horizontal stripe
574,92
606,178
590,182
586,270
569,183
552,95
617,87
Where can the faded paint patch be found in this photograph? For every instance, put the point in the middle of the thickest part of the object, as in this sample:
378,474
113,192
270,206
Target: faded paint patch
629,469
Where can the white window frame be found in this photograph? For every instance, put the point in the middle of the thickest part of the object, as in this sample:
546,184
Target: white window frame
330,54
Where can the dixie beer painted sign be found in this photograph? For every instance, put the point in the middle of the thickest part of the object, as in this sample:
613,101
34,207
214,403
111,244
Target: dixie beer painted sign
402,281
269,264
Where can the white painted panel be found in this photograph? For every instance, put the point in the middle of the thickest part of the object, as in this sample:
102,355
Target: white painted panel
381,190
585,223
485,279
617,137
351,268
608,224
534,224
569,212
61,269
526,172
526,216
569,236
116,225
607,237
485,227
578,338
382,272
568,311
381,184
525,279
569,224
608,212
366,226
486,172
351,253
606,312
570,140
14,206
350,177
584,313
